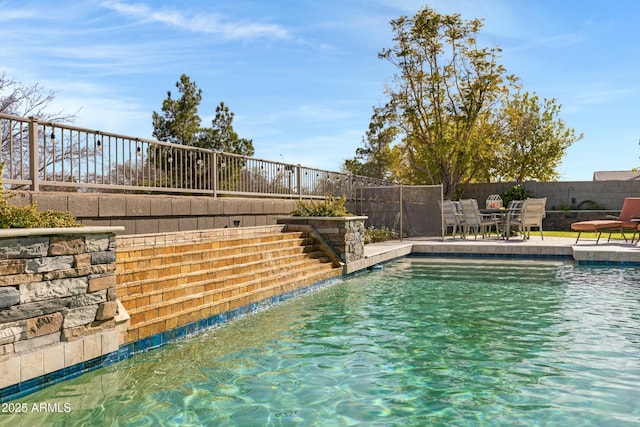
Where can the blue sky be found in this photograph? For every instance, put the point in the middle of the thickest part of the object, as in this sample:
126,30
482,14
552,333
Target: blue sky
302,76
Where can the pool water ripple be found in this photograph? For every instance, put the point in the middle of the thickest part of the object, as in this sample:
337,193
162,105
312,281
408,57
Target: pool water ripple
421,342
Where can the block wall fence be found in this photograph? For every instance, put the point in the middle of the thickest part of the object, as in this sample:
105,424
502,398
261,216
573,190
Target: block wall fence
147,214
566,194
144,214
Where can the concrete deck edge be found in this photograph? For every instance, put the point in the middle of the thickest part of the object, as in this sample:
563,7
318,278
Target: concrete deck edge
625,255
383,254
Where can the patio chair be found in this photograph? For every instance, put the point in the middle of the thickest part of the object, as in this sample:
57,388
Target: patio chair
452,218
629,219
473,219
512,212
531,215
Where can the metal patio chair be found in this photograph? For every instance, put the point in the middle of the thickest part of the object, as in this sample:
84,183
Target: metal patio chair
473,219
532,213
452,218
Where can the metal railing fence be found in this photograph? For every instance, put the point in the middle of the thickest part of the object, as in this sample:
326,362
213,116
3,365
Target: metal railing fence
45,156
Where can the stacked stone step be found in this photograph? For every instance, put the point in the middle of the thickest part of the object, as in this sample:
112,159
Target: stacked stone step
166,286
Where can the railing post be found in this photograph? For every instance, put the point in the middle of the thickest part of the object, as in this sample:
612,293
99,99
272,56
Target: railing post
214,174
33,153
401,214
299,179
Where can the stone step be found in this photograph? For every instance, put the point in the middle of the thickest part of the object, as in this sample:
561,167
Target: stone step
165,286
125,265
219,296
158,291
170,317
145,276
230,245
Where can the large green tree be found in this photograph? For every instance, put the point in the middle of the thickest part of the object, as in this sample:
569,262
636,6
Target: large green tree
373,158
533,139
454,115
221,136
180,123
442,97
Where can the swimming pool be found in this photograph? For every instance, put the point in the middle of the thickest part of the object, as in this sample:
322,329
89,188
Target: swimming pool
420,342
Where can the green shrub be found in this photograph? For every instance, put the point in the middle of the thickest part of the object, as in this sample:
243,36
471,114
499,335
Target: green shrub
330,207
28,216
515,192
373,235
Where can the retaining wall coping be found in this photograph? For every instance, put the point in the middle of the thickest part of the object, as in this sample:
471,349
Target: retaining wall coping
24,232
153,239
335,218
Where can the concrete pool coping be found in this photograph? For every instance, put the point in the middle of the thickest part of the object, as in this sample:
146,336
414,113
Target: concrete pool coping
615,252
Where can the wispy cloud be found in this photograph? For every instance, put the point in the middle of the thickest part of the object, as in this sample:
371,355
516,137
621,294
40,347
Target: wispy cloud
17,14
201,23
558,41
603,96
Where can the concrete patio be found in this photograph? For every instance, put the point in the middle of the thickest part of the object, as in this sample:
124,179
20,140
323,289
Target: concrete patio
616,252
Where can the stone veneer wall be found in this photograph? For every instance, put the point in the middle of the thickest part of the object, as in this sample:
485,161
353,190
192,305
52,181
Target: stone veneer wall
345,235
57,301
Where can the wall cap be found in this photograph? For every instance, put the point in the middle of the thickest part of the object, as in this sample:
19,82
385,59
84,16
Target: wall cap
23,232
336,218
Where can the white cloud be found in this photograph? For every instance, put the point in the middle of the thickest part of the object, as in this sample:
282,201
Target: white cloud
9,15
602,96
558,41
201,23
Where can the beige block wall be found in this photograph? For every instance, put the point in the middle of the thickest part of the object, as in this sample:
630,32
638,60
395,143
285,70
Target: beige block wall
610,194
145,214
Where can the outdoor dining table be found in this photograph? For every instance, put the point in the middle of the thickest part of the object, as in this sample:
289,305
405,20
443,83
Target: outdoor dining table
502,216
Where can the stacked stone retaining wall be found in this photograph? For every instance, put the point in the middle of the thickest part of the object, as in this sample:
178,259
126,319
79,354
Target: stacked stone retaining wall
345,235
57,300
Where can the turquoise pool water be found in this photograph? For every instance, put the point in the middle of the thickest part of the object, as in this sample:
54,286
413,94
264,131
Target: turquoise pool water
420,342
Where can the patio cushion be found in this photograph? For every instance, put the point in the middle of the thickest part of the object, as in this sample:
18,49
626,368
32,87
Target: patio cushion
595,225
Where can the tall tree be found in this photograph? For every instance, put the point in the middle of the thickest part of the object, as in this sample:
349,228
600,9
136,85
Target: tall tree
179,122
221,136
374,158
442,96
533,138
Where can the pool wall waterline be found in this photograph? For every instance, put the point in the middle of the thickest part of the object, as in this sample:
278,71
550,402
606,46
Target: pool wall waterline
235,240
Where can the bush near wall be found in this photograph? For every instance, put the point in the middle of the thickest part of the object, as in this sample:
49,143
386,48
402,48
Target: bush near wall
28,216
